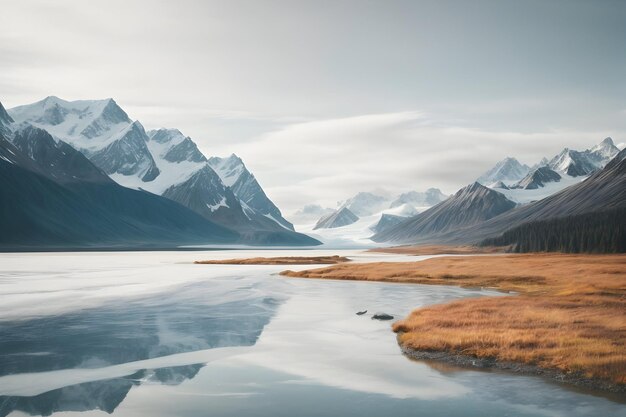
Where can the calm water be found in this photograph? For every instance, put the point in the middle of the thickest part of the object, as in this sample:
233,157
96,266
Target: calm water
149,333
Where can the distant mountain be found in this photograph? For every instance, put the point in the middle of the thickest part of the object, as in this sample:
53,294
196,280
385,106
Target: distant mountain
604,152
52,196
586,217
339,218
508,170
310,213
544,162
500,185
573,163
470,205
366,204
427,198
605,190
160,161
386,222
538,178
582,163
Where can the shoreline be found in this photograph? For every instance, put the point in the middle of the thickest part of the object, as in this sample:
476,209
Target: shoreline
281,260
564,320
473,363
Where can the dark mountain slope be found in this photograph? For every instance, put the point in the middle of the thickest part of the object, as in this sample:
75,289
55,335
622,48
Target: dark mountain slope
338,218
470,205
603,191
38,209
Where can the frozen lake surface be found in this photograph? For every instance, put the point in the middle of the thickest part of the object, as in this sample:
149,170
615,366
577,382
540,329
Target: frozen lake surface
152,334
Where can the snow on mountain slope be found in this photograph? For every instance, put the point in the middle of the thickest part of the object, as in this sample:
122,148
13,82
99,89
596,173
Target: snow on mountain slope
366,204
235,175
508,170
128,155
525,196
339,218
427,198
537,178
310,213
158,161
229,169
87,125
160,143
572,166
583,163
605,151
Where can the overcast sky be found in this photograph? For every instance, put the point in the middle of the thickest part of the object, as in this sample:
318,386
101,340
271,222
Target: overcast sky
323,99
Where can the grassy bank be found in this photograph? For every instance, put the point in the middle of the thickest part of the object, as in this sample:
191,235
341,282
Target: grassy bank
569,315
285,260
439,250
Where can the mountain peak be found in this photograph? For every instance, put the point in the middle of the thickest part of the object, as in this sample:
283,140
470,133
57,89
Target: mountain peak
166,135
5,119
229,168
475,186
341,217
507,170
608,141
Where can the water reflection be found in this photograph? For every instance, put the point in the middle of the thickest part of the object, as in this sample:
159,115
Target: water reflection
105,395
112,338
171,338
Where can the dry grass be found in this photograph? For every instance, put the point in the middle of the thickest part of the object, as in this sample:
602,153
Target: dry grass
438,250
286,260
570,315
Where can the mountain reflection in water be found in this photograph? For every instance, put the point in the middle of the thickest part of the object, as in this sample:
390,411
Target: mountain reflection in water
124,332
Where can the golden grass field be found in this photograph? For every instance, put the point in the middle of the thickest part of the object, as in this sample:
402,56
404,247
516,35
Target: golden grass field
569,315
438,250
286,260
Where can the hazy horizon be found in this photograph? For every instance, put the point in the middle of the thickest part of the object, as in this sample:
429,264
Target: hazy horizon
323,100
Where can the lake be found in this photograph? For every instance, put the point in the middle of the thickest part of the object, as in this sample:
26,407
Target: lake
150,333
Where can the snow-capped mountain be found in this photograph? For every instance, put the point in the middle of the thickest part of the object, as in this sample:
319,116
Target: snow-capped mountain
366,204
427,198
128,155
472,204
605,151
538,178
53,196
235,175
508,170
341,217
163,162
567,168
87,125
309,214
582,163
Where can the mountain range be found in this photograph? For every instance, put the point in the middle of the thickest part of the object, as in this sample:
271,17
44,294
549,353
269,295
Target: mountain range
568,162
475,215
162,163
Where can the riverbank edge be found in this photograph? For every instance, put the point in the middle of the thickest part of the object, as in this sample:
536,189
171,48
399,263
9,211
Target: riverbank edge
473,362
468,361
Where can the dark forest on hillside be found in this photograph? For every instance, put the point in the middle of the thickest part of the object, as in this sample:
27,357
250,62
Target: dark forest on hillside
599,232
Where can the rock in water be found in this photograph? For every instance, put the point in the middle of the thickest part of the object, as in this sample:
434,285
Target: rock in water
382,316
360,313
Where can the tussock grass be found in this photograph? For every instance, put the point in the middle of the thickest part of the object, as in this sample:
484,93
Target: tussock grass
286,260
570,314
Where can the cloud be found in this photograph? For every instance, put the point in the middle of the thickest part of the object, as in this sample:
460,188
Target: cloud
322,162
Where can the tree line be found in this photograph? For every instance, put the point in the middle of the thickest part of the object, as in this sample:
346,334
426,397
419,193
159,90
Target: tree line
598,232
